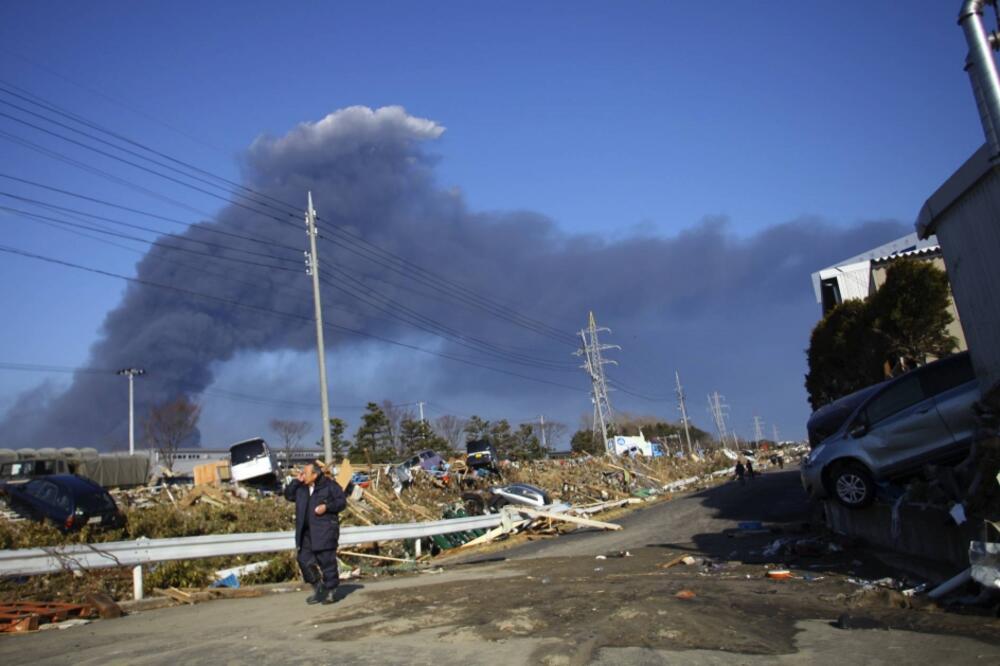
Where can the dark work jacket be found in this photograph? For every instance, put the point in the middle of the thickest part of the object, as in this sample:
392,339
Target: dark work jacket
324,531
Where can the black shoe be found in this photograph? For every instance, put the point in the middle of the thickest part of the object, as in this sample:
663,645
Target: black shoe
331,597
319,594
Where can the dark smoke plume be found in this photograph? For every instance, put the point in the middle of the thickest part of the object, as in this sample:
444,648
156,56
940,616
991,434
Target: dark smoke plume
726,309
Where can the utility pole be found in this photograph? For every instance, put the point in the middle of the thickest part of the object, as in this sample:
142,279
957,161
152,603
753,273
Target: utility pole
421,406
131,373
758,430
541,420
684,415
312,268
594,366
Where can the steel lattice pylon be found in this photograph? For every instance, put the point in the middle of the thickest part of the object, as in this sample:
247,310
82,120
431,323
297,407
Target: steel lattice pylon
593,364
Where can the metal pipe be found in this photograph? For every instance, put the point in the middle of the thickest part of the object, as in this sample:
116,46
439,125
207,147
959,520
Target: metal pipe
982,69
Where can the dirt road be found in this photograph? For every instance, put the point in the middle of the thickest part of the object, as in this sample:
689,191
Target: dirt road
553,602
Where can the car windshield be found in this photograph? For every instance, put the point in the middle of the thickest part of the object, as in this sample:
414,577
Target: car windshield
477,447
247,451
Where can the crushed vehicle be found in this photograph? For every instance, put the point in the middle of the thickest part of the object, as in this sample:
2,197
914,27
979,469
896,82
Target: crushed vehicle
495,498
621,445
482,455
253,463
67,501
894,429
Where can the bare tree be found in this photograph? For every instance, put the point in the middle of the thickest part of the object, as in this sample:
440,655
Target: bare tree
452,430
291,433
555,432
169,425
396,414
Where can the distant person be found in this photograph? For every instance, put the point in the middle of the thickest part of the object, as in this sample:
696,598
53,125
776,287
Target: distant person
740,473
318,500
750,469
781,462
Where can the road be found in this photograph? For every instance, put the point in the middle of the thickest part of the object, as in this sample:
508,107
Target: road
553,602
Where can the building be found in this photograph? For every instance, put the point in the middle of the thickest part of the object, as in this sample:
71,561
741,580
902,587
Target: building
963,212
861,276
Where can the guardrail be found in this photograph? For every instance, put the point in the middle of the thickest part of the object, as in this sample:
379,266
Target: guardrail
83,557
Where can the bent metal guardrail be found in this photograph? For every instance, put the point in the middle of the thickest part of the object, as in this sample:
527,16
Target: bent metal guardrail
81,557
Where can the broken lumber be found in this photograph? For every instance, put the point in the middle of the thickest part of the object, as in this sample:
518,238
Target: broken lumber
351,553
586,522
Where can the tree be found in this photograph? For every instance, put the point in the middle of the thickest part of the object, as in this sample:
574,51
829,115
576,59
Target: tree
910,312
583,442
452,430
373,440
554,432
169,425
416,435
338,445
476,428
502,437
526,444
291,433
395,415
906,320
844,354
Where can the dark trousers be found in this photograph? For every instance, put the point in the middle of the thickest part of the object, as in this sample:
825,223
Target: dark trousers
318,565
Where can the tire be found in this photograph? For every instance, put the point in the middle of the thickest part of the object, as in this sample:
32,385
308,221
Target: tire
498,503
474,504
853,485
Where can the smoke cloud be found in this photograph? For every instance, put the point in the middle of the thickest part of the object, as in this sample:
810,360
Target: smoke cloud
730,312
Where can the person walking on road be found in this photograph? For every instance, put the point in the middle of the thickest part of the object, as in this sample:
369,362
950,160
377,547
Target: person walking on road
740,471
750,469
318,500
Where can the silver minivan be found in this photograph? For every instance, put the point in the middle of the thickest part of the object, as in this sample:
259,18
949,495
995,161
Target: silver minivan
924,416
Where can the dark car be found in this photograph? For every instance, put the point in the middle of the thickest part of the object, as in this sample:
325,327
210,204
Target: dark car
480,454
66,500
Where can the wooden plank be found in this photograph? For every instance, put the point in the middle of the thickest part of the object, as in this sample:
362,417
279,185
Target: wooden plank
587,522
373,557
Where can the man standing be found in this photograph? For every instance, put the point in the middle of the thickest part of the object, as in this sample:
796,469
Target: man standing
318,500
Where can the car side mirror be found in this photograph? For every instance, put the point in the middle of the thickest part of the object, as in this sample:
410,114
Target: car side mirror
859,429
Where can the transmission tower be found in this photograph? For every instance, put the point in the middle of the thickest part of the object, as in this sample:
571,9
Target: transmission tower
593,364
758,430
774,429
718,409
683,409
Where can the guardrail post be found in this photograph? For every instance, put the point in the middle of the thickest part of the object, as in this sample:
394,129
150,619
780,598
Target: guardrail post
137,582
416,548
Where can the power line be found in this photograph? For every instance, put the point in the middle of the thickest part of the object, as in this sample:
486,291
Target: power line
287,315
159,241
491,306
144,213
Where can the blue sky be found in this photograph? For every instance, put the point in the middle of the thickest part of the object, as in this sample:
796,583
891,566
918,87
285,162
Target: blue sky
610,118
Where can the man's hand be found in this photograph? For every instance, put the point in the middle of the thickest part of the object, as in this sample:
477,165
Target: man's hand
321,509
301,476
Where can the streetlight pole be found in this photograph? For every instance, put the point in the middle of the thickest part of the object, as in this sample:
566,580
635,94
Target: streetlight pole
131,373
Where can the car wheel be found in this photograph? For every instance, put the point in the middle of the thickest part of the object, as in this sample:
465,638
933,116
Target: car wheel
853,486
474,504
498,503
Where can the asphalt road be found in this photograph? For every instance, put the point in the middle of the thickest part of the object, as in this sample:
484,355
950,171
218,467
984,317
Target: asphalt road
553,602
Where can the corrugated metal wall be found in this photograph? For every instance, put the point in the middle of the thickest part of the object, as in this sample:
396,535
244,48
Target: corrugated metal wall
969,233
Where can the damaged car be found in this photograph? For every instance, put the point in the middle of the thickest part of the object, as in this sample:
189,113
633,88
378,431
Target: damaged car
890,431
